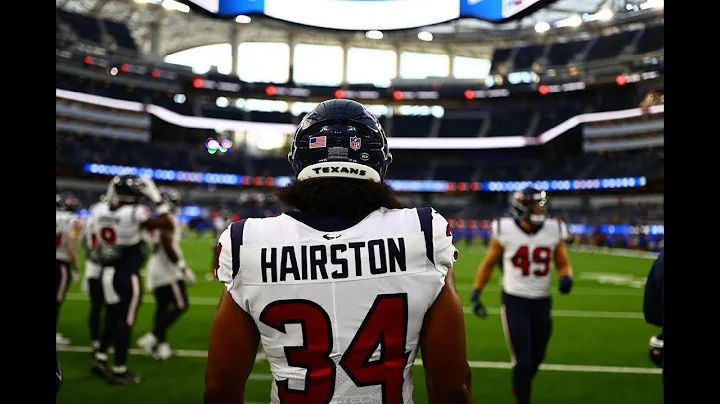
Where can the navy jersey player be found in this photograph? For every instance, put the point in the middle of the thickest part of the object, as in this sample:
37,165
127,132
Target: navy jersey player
119,223
527,243
67,230
167,276
343,292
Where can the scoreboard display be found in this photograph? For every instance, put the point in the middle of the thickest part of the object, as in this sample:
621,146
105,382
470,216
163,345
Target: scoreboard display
363,15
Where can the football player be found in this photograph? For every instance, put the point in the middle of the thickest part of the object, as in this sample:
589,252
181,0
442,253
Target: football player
91,281
220,223
654,307
345,290
167,277
67,230
119,223
527,243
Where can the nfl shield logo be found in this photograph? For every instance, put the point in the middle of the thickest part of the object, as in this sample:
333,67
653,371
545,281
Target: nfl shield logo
355,143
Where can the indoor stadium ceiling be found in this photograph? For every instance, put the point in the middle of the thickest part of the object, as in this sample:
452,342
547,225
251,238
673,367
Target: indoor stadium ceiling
188,30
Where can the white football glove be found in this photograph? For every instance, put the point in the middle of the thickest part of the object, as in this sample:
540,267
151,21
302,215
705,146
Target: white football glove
151,190
85,287
189,276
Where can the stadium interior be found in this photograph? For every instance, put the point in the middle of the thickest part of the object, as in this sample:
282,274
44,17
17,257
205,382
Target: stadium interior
567,96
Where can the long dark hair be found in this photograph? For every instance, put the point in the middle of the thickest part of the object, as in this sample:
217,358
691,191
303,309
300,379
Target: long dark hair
341,197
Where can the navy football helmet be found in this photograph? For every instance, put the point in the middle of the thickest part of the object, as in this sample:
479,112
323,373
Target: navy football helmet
529,204
171,196
66,202
340,138
126,189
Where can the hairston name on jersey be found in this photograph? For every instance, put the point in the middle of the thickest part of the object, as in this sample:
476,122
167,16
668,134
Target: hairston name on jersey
333,261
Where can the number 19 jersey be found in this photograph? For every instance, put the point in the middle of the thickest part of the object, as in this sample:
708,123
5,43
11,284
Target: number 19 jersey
339,313
121,226
527,258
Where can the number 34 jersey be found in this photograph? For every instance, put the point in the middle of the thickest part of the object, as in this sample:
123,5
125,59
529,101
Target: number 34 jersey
527,258
339,313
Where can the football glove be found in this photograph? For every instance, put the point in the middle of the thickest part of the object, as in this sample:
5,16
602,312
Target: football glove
150,190
477,307
85,287
656,350
189,276
566,283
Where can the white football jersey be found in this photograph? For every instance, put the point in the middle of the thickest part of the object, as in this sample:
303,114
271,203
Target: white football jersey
119,227
92,269
65,222
161,271
339,313
528,258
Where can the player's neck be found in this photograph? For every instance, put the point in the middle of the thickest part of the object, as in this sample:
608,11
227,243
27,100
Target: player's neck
527,226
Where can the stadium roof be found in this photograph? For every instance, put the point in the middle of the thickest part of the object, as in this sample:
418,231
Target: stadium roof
480,36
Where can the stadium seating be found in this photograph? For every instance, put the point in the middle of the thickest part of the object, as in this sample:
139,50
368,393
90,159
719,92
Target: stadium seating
526,56
564,53
121,34
91,135
652,39
76,150
608,47
468,124
499,58
95,31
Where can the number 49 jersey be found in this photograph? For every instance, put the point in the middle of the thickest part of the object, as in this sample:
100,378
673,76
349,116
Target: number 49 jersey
527,258
339,313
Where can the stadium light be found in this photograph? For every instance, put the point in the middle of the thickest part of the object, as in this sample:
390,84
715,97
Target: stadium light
542,27
603,15
652,4
243,19
374,34
176,6
572,21
222,102
425,36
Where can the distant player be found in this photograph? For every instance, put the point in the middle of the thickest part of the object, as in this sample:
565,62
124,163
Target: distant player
220,223
91,281
528,244
343,292
167,276
119,223
67,230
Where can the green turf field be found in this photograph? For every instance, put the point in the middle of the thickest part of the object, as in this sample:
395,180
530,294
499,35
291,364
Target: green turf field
598,353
